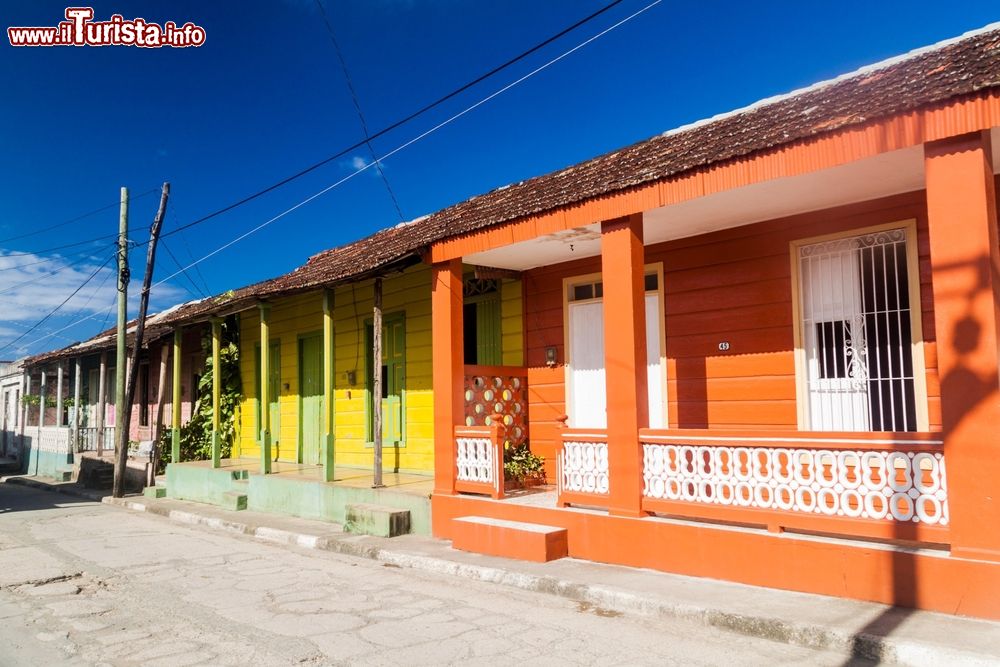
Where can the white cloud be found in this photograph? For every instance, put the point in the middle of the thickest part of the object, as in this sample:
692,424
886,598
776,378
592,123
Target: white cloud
357,163
30,288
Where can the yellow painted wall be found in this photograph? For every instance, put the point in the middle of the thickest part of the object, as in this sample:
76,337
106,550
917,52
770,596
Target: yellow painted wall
511,323
409,294
290,317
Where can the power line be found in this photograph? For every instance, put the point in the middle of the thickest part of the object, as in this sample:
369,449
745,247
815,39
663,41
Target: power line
56,309
190,254
402,121
357,107
418,137
377,134
72,220
198,290
47,260
21,253
389,128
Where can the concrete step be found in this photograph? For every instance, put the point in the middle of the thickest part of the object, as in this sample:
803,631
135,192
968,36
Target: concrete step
155,492
64,474
378,520
511,539
234,500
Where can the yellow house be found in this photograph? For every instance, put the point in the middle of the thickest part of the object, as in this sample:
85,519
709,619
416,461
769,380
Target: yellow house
325,310
296,400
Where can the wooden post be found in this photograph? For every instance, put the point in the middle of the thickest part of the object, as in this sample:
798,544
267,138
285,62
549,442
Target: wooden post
329,455
75,422
41,401
41,418
59,394
25,390
377,383
175,399
447,370
216,391
161,389
965,278
623,274
265,402
102,403
123,280
133,369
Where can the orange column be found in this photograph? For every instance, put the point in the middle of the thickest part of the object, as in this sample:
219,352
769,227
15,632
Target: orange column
965,270
622,261
448,370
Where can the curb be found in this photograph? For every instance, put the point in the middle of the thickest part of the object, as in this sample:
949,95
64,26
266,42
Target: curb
67,489
603,598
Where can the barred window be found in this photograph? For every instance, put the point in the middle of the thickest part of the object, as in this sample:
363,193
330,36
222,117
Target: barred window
855,308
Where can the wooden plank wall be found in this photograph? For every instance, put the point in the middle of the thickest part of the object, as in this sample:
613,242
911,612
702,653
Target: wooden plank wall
734,286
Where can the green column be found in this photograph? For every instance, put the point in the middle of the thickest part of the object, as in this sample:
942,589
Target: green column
216,392
175,401
328,413
265,400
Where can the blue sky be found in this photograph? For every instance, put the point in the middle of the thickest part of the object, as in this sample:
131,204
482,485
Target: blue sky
265,97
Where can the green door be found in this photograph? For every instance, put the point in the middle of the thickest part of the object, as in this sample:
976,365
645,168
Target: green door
393,377
311,399
488,331
273,389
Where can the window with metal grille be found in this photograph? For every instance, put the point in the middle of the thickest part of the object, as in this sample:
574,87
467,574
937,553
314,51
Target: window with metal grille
855,307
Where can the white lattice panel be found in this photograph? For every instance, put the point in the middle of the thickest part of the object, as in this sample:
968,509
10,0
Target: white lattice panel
54,439
584,467
877,485
475,460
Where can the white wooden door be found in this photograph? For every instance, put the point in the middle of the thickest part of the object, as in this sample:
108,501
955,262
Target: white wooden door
587,389
654,363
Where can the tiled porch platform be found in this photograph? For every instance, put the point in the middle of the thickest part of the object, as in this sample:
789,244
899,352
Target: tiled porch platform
299,490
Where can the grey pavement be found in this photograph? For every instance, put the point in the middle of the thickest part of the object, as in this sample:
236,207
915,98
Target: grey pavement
83,583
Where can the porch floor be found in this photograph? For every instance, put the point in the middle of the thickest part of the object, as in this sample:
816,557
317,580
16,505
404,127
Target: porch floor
348,476
299,489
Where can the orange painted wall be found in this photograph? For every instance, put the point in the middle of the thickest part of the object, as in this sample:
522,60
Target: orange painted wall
733,285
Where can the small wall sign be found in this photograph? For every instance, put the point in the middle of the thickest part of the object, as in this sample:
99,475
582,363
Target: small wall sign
724,346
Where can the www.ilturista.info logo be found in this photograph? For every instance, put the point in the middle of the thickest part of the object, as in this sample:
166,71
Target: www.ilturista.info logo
79,29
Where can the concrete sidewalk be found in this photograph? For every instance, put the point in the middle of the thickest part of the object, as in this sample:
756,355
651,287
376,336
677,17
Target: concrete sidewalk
857,629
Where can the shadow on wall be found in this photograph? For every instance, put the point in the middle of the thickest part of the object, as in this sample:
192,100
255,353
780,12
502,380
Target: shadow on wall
973,390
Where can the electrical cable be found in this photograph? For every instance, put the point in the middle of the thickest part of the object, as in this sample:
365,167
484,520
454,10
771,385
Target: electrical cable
76,219
357,107
402,121
56,309
416,139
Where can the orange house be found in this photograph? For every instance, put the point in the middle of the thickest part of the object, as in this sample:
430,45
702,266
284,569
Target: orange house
761,348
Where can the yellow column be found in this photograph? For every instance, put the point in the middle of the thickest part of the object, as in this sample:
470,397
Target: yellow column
328,413
216,391
265,400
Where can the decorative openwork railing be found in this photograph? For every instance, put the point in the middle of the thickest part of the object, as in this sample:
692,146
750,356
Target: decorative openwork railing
498,395
845,483
53,439
582,475
87,439
479,460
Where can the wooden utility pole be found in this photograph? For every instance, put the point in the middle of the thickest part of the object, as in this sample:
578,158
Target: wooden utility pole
123,280
377,382
121,457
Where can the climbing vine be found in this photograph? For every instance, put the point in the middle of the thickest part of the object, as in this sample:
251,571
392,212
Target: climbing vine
196,435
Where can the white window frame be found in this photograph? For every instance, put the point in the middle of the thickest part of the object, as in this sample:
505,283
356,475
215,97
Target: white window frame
909,228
